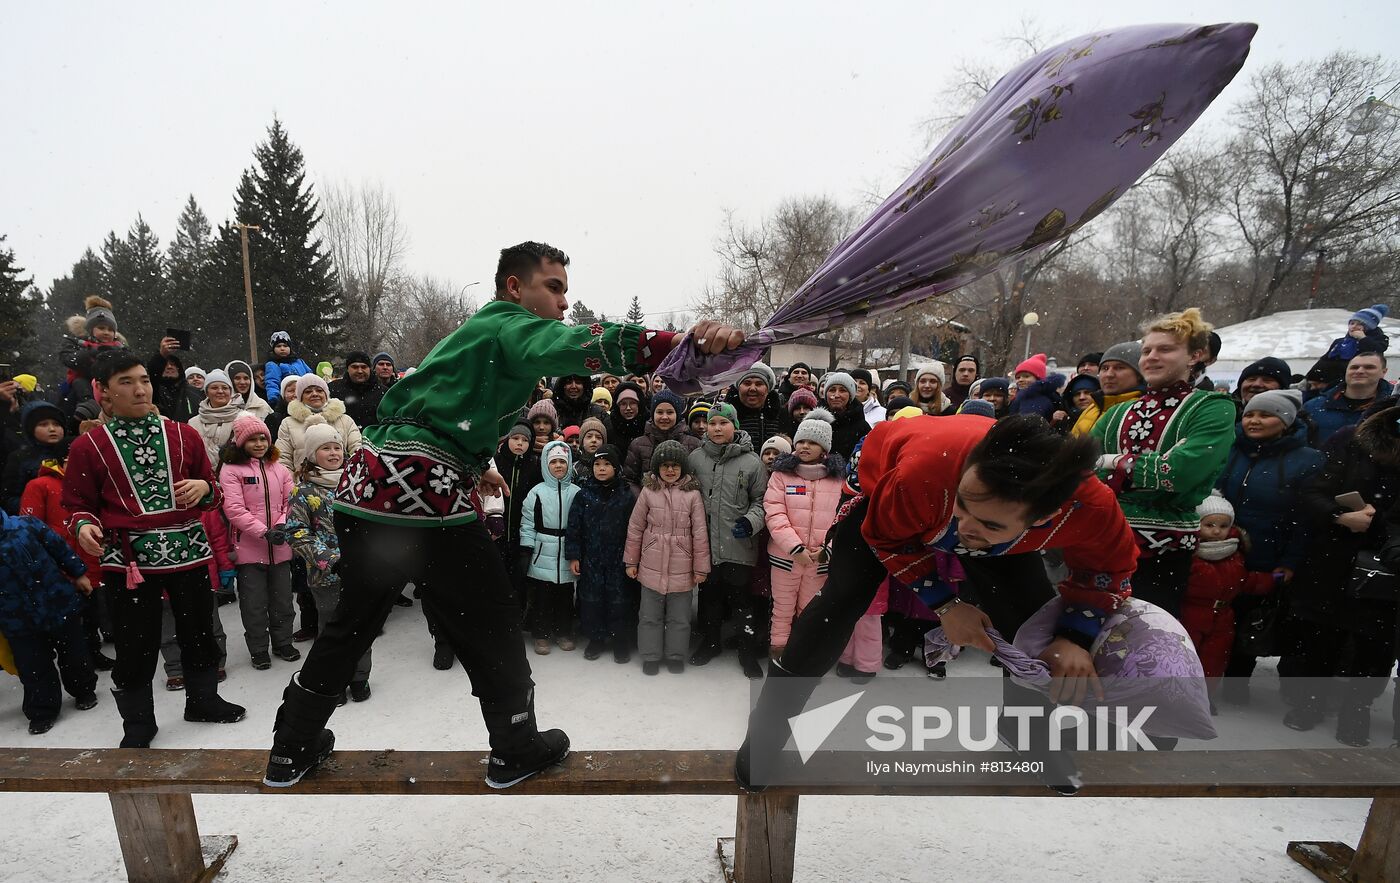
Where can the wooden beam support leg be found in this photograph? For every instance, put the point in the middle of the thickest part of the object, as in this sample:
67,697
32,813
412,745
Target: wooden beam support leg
1376,858
158,836
765,838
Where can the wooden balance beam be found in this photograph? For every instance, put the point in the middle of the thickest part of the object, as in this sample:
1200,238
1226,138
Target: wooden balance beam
150,794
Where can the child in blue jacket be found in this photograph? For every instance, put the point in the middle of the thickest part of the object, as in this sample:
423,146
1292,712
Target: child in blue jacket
544,519
282,362
42,584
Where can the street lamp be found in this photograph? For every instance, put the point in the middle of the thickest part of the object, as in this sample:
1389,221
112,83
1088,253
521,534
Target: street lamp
1030,320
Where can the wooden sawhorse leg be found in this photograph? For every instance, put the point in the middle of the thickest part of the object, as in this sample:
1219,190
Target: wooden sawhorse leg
1375,859
160,839
765,839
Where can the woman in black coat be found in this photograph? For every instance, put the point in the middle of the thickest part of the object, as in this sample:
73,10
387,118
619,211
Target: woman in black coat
1335,630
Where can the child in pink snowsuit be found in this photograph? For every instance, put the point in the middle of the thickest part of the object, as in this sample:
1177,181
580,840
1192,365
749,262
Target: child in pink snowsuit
800,504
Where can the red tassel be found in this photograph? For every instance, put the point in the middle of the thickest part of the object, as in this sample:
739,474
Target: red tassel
133,576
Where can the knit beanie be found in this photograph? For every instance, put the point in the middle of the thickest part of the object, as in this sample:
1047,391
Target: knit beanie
1081,382
325,370
246,426
193,370
762,372
980,407
803,365
1129,353
903,413
382,357
601,394
1269,366
998,384
1089,359
543,408
307,381
216,376
669,398
723,411
318,434
803,396
862,374
970,358
670,451
572,432
1035,365
236,367
33,412
838,378
937,370
99,312
1281,403
1215,504
357,357
897,385
701,409
1371,316
609,454
289,386
897,402
27,382
557,451
783,446
627,390
280,337
593,424
521,428
816,428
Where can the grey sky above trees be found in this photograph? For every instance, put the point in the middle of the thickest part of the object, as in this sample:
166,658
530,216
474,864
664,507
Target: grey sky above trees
622,133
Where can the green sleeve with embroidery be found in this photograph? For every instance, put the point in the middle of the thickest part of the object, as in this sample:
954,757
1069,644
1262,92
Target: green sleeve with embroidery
1191,466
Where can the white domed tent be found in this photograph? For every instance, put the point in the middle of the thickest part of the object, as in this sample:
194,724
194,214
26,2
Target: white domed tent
1299,337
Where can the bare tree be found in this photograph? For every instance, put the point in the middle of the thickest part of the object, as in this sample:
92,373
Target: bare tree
422,311
761,266
1316,167
368,242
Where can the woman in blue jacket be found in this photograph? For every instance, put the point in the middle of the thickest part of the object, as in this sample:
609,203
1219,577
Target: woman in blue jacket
1266,469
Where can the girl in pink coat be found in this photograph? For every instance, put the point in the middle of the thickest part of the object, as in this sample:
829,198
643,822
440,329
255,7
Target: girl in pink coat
257,491
803,495
668,552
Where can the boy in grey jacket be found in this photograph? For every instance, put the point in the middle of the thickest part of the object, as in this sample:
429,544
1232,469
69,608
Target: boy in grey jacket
732,481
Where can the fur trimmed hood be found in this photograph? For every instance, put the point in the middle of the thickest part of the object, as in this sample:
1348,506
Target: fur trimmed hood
835,464
1379,436
688,482
331,413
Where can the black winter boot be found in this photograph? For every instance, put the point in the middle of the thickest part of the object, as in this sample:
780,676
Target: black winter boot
138,711
300,740
518,749
782,698
709,647
203,705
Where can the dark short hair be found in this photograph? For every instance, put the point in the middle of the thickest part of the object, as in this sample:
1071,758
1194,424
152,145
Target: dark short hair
113,362
1023,460
1377,353
521,261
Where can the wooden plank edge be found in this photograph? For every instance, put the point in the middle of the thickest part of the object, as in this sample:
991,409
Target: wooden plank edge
1326,859
724,849
216,849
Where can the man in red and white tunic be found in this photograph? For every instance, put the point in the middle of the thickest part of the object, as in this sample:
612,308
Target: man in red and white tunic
135,487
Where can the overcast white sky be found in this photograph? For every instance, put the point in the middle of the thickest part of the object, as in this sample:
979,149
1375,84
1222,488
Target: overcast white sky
619,132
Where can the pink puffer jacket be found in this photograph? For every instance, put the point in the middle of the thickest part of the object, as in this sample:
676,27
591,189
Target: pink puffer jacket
801,502
257,496
666,537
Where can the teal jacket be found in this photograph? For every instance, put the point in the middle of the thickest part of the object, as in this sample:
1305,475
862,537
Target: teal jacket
544,521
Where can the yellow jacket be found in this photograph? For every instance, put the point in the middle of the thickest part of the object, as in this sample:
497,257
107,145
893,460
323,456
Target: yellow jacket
1091,414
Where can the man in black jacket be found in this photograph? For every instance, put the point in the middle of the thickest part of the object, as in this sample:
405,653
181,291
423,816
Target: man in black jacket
761,412
359,390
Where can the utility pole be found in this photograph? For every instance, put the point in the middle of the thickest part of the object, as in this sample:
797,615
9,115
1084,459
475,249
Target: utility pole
248,295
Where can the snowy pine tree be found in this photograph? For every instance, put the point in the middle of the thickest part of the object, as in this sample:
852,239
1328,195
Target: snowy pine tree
133,272
19,307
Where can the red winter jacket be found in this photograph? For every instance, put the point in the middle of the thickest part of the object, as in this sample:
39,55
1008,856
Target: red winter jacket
1215,584
43,498
909,470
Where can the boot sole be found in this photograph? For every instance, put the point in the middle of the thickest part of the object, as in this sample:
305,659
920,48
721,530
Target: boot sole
315,765
501,786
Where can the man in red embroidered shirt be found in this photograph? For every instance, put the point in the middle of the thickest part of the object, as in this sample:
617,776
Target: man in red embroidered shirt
982,490
135,487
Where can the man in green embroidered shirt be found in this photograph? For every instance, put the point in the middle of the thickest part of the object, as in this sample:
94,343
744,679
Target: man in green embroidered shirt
404,513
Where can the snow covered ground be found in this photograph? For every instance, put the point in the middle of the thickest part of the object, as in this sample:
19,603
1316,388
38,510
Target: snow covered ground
1299,337
64,837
